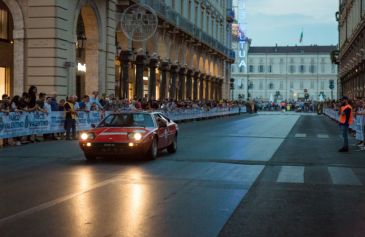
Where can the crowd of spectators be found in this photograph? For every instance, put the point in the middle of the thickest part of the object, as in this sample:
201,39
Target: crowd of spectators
287,105
32,101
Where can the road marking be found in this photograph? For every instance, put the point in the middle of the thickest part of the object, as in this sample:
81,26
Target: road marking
301,135
54,202
343,176
291,174
322,136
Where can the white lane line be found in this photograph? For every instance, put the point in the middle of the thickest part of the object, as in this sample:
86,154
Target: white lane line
322,136
54,202
343,176
300,135
291,174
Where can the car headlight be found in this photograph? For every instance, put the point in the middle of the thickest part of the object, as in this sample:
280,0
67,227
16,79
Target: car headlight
84,136
87,136
136,136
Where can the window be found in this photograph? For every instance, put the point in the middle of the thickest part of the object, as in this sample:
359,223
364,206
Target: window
4,24
302,69
261,85
242,69
127,120
196,14
301,85
261,68
312,69
333,68
312,84
251,68
323,66
189,10
271,86
291,84
281,85
173,4
292,69
322,85
269,68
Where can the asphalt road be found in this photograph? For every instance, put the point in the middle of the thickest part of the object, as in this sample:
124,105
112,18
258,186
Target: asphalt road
264,175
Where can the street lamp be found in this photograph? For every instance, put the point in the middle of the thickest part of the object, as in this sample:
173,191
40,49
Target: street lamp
81,41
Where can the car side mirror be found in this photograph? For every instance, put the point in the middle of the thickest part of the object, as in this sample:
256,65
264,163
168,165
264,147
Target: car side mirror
93,125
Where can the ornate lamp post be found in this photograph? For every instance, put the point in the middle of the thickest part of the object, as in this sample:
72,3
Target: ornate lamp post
81,41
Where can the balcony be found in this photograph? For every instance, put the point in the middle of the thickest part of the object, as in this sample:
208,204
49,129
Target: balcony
172,17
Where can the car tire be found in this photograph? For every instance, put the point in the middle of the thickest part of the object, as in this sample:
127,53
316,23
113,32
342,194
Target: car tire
90,157
153,150
173,146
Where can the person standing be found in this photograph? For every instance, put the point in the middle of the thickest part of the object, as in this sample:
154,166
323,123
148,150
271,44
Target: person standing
346,119
70,118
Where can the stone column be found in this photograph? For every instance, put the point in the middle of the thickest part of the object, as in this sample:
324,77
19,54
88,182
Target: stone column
18,62
181,86
220,88
217,89
173,73
140,62
211,91
195,87
207,87
152,80
163,69
189,84
213,88
201,86
124,58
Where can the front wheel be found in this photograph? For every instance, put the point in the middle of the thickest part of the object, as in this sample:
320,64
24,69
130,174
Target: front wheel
90,157
152,152
173,146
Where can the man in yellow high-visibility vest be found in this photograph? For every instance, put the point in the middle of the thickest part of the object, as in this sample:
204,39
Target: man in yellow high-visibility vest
346,119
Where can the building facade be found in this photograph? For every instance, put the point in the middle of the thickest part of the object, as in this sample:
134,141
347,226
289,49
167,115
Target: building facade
287,73
77,46
351,18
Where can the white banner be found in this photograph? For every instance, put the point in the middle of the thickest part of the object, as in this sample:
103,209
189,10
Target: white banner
22,124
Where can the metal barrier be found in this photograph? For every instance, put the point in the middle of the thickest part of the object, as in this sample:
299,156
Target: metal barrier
357,125
16,124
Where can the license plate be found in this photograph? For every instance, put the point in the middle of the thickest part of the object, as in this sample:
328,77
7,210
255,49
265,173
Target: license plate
109,145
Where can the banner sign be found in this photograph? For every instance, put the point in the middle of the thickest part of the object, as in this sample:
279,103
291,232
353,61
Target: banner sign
16,124
22,124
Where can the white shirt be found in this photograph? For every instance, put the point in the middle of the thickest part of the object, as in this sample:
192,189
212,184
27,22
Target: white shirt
48,108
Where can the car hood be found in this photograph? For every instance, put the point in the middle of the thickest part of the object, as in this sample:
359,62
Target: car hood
117,134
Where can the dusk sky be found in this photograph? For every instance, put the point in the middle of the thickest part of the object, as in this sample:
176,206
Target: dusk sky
281,22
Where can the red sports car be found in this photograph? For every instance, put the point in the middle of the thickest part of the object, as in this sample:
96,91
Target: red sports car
128,133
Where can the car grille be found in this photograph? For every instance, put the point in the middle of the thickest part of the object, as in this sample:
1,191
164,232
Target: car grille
111,147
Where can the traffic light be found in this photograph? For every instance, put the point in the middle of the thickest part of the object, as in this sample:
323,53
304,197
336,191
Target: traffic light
332,84
231,84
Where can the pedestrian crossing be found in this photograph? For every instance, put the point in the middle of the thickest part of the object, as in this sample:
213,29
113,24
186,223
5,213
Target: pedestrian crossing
291,174
337,176
320,136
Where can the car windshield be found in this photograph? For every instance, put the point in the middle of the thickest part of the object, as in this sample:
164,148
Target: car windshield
127,120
